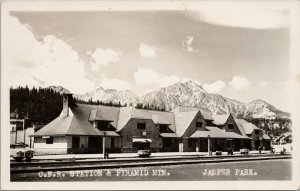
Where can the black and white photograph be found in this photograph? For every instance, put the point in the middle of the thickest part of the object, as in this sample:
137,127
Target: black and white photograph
140,95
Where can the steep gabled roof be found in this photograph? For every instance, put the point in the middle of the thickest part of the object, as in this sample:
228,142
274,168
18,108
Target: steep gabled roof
100,112
158,117
206,114
59,126
76,124
97,115
249,128
239,123
183,121
215,132
82,125
220,119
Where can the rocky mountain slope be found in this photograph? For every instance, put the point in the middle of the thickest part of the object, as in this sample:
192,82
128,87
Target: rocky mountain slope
185,94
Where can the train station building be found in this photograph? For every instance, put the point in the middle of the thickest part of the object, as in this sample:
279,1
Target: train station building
83,128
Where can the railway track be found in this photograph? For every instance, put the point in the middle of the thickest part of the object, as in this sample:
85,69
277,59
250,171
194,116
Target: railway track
80,164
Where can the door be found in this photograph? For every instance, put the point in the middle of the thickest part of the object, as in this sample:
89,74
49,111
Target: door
95,142
75,142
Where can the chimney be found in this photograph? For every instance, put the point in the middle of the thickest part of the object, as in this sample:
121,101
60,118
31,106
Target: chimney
67,98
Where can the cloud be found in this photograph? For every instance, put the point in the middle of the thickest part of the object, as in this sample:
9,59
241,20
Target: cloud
214,87
49,61
239,83
115,84
187,44
147,51
147,76
165,81
262,83
104,57
244,18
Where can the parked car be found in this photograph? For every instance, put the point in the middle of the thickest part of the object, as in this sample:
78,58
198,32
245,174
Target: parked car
21,154
144,153
282,149
244,151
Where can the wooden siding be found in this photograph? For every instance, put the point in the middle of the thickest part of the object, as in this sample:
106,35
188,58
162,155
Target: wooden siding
130,131
192,127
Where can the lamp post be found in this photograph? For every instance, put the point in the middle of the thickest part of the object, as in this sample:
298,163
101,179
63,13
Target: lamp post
103,143
208,145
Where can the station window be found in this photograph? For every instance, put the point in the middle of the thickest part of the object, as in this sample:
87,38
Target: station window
256,131
49,140
230,126
189,142
141,125
199,124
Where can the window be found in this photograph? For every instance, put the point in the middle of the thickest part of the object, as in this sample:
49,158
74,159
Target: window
112,143
256,131
75,142
49,140
141,125
163,128
230,126
189,142
144,133
167,142
198,124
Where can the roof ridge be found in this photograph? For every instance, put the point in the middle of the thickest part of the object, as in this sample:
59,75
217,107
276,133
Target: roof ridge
70,124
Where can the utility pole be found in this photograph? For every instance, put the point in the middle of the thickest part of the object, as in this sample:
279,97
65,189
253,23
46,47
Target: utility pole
16,134
24,129
208,145
103,144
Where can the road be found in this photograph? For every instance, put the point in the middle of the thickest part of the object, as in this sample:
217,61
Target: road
279,169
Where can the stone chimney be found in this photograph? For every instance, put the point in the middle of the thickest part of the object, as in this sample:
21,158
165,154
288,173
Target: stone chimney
67,99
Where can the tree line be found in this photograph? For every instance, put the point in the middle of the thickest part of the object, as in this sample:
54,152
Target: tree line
45,104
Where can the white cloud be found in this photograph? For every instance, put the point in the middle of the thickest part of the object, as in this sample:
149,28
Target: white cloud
240,83
244,18
49,61
104,57
262,83
115,84
214,87
187,44
165,81
148,76
147,51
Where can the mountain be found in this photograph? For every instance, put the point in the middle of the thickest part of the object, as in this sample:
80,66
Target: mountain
59,89
190,94
110,95
261,109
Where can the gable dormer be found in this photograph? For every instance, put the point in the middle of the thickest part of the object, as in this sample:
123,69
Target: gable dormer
99,121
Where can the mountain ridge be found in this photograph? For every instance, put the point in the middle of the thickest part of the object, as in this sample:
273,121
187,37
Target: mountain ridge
187,93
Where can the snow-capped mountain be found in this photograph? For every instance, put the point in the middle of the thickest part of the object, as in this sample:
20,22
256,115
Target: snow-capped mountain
187,93
261,109
110,95
192,94
59,89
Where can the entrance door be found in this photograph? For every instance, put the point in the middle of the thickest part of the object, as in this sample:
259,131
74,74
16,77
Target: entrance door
228,144
95,142
203,145
75,142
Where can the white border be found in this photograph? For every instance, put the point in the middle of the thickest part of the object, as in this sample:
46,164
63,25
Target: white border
292,6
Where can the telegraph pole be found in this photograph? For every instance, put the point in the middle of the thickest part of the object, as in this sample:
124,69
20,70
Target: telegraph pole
208,145
103,144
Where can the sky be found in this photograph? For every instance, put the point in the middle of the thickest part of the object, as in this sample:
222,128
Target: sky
243,55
